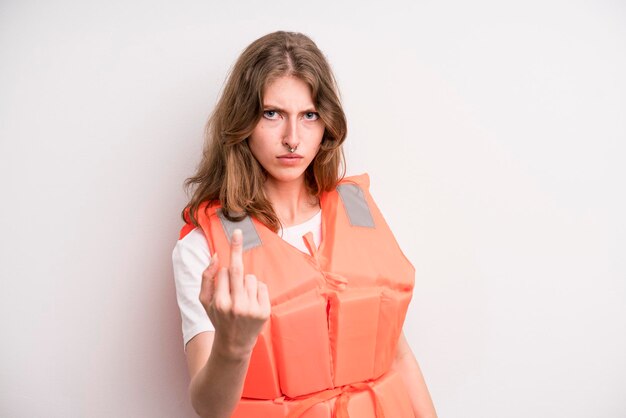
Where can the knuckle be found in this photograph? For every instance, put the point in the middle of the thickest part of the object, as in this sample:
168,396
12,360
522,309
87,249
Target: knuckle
221,305
241,307
239,311
260,315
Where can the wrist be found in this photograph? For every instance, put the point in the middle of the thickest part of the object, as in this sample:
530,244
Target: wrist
228,351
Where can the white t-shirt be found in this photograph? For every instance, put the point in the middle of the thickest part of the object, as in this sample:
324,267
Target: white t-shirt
191,257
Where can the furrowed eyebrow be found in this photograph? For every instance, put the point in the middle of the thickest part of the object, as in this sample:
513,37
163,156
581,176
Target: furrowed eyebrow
268,106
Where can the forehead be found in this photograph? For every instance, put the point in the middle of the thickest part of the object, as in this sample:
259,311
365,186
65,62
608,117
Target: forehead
288,91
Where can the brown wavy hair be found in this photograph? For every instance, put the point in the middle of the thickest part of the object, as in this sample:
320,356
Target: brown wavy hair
228,172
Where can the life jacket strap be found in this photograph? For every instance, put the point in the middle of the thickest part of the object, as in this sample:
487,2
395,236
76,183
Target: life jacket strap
341,404
251,237
356,206
353,199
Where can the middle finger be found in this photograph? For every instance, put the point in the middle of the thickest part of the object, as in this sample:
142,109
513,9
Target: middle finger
235,269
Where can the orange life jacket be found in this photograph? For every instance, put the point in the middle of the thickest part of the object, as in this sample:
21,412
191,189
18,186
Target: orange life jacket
337,312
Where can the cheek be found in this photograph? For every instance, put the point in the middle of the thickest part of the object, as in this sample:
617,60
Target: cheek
320,135
256,148
316,132
257,141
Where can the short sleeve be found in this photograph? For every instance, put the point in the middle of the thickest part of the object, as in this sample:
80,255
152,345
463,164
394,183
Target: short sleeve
190,258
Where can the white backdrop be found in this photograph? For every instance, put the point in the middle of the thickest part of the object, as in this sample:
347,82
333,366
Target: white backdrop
493,134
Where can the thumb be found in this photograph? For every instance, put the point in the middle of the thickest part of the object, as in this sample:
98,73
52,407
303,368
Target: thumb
207,287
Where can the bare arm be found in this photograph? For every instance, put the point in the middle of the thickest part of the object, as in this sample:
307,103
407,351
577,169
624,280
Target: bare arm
408,368
217,378
238,306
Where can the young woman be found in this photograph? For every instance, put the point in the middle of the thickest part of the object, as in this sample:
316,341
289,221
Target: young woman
300,310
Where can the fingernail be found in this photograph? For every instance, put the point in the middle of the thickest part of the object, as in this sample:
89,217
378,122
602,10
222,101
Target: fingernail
237,234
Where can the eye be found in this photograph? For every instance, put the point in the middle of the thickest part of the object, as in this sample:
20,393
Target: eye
311,116
270,114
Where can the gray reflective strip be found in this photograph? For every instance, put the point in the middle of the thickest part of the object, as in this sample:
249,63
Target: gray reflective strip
250,236
356,205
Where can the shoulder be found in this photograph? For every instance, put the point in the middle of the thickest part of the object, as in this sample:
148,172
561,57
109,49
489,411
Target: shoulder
192,248
362,180
354,187
201,214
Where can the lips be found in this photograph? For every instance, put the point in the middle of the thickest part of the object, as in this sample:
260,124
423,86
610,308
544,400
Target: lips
290,160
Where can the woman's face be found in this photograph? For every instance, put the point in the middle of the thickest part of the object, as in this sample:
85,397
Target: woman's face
289,121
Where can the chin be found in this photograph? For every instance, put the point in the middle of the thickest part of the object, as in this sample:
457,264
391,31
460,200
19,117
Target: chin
284,176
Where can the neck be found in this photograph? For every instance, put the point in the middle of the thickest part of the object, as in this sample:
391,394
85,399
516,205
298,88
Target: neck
291,201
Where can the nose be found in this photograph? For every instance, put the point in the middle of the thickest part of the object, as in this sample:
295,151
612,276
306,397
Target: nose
290,134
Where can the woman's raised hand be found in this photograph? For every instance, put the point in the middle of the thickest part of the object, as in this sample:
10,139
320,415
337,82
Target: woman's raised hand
237,304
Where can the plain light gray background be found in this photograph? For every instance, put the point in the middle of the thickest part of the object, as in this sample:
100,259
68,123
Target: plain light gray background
493,133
